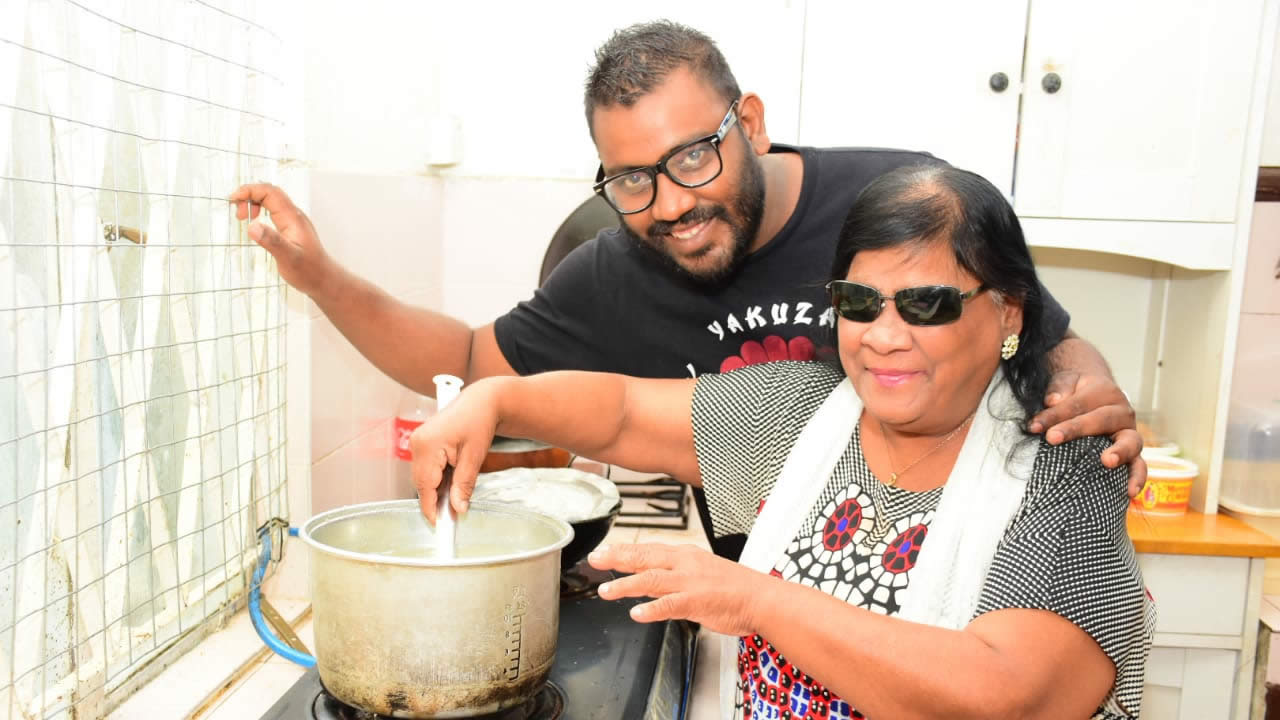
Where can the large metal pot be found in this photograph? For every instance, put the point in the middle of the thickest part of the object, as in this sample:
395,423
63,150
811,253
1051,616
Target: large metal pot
400,633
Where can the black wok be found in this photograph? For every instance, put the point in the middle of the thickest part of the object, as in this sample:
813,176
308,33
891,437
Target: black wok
588,502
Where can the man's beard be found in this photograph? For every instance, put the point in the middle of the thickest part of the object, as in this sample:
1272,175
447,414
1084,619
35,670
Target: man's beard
748,206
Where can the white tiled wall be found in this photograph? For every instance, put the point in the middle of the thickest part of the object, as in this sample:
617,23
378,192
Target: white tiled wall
386,229
495,232
471,247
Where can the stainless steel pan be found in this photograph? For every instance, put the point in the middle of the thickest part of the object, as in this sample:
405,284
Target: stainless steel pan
403,634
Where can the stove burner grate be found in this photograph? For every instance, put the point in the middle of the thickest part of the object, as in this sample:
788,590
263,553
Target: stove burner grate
581,581
546,704
574,585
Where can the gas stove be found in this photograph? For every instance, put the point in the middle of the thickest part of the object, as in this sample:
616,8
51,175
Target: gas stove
607,667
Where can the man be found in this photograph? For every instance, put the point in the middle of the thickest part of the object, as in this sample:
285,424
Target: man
718,262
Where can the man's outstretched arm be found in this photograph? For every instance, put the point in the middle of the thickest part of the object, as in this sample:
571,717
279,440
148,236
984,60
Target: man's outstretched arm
410,344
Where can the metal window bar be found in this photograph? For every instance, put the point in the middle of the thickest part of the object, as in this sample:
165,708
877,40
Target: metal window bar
140,86
142,399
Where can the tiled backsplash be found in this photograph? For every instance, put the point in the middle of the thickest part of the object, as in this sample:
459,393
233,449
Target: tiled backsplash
387,230
468,246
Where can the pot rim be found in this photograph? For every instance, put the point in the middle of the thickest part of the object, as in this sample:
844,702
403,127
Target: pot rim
564,529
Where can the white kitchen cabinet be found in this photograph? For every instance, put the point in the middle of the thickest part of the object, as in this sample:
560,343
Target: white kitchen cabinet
1205,573
1148,116
899,75
1137,149
1189,683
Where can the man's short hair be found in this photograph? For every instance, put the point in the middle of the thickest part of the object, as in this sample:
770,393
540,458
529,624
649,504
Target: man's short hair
637,59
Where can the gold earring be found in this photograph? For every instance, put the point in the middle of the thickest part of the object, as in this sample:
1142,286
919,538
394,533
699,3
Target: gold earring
1009,347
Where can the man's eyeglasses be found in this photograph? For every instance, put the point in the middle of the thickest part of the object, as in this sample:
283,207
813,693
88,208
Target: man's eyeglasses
926,305
691,165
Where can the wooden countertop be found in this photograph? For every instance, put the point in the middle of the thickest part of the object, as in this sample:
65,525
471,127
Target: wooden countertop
1199,534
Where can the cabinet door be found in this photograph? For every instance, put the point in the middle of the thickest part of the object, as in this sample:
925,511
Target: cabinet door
1189,684
1150,118
915,76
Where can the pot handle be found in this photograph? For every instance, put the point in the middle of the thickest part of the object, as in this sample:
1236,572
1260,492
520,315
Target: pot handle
255,604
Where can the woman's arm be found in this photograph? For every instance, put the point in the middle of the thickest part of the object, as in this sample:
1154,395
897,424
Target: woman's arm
1009,663
1005,664
639,423
1067,551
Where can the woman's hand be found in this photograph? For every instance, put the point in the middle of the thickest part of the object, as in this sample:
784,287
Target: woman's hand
452,444
686,582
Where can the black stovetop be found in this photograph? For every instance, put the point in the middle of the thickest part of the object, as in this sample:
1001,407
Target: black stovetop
607,666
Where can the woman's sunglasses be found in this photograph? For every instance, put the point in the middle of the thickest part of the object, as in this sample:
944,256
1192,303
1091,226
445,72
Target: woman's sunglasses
926,305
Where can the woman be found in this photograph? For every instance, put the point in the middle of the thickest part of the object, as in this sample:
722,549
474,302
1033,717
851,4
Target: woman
1025,600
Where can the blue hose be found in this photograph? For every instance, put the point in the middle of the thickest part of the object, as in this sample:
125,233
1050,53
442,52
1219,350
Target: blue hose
255,606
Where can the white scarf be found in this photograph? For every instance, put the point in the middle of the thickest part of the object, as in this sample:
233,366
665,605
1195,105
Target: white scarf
981,495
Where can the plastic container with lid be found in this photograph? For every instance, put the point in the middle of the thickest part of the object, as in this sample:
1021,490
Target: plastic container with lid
1251,460
1168,487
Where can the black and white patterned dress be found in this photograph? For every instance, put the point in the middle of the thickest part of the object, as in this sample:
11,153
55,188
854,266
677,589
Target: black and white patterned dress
1066,550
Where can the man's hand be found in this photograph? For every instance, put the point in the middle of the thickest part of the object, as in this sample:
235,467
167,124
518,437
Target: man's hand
294,243
686,582
1078,405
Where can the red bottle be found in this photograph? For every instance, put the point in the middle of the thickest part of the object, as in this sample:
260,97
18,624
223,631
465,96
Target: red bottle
414,410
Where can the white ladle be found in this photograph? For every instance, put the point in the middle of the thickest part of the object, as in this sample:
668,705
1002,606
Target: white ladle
447,388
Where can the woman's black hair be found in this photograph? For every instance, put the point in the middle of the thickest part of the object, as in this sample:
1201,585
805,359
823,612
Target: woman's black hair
939,203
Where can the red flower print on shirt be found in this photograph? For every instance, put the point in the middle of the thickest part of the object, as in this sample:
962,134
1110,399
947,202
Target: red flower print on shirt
771,349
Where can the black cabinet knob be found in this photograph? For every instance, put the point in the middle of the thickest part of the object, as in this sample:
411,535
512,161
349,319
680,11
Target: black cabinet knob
1051,83
999,82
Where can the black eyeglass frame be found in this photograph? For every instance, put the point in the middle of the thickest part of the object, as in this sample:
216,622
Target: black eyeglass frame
900,298
715,139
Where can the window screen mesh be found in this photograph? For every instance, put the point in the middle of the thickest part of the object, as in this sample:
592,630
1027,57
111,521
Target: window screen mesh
142,367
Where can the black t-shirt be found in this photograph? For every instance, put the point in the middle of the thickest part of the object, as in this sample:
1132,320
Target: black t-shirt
610,306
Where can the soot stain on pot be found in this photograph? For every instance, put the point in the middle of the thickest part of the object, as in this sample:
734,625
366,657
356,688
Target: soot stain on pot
425,702
503,696
397,700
